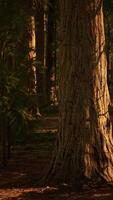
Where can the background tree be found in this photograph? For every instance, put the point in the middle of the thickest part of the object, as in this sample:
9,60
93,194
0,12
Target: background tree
109,40
15,98
40,49
23,71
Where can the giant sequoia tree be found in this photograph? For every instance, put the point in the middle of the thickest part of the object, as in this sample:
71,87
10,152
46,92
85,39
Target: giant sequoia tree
85,144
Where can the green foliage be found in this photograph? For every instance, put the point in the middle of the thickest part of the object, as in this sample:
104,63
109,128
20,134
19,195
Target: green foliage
15,102
16,98
108,5
50,110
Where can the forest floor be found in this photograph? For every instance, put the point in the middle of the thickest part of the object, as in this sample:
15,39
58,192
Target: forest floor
30,160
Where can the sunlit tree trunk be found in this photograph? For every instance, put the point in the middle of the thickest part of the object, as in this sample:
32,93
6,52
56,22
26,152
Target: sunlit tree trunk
32,58
40,50
32,53
84,145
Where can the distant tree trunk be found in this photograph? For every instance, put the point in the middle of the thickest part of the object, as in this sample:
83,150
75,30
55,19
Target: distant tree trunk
55,63
32,58
45,32
50,53
49,57
85,144
45,50
32,53
40,50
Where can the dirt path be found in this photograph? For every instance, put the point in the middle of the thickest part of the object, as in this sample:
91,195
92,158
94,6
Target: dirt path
20,179
47,124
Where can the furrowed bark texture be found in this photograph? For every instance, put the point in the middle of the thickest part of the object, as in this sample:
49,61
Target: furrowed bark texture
85,144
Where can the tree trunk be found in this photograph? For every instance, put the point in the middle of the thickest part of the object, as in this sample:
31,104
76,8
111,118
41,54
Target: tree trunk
85,145
49,50
45,50
32,53
32,58
40,50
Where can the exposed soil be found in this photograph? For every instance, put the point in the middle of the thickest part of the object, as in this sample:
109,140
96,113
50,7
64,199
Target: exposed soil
20,180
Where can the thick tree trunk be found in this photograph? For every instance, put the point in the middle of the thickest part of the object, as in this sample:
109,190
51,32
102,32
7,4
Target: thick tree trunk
85,145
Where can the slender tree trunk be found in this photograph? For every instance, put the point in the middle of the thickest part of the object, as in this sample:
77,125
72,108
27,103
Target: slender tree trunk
51,53
55,63
32,53
84,145
45,50
32,58
40,50
49,50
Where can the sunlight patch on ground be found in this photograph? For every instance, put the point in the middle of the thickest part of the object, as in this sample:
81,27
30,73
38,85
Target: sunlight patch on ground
15,193
45,130
102,195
